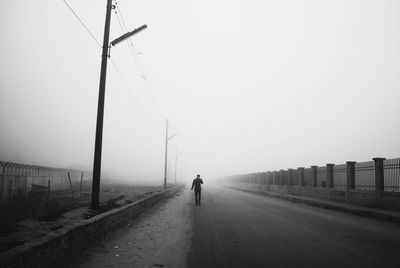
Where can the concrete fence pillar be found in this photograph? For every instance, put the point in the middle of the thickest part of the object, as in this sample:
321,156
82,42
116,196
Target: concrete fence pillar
314,172
281,176
3,180
290,179
379,178
351,178
351,175
329,175
300,179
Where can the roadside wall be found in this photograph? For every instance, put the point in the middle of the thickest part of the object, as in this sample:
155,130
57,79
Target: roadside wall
66,242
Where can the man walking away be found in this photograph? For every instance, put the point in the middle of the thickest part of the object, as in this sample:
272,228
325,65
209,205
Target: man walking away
197,189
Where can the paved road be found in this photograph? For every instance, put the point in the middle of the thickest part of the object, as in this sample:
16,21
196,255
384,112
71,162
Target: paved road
239,229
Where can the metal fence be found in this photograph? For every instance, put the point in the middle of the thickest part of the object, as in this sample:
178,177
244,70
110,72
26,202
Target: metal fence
322,176
340,176
20,179
365,176
308,178
391,168
362,176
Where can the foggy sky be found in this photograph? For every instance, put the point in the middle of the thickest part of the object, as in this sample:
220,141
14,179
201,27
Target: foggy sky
247,85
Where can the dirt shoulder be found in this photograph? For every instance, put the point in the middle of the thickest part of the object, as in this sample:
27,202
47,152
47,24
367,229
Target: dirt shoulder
35,216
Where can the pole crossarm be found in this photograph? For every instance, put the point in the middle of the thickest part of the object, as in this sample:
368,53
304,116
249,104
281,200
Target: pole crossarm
127,35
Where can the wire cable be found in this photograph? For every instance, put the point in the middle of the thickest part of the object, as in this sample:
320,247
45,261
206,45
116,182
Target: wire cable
141,71
128,88
136,58
113,62
132,49
81,22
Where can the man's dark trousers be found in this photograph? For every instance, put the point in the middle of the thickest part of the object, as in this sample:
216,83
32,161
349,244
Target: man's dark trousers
197,195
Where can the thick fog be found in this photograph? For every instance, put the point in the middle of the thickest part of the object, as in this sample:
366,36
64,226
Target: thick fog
247,85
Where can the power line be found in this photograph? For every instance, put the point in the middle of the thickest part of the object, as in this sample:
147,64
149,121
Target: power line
130,41
128,88
136,58
132,50
81,22
124,81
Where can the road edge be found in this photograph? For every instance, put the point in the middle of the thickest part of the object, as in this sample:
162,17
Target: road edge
365,212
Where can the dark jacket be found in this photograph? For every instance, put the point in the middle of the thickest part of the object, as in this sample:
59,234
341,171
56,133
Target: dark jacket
197,184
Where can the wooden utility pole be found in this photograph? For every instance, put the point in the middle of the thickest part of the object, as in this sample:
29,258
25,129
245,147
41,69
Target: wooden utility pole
166,156
100,112
176,161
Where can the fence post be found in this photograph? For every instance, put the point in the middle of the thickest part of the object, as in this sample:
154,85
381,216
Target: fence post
351,178
329,178
329,175
379,178
80,186
314,171
281,177
3,181
70,183
300,179
48,189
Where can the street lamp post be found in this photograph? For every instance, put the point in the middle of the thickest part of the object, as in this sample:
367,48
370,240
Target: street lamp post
100,107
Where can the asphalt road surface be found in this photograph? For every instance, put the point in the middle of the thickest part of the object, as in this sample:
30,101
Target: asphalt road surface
238,229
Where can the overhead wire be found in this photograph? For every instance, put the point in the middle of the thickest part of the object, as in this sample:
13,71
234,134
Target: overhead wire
141,72
130,43
113,62
136,58
128,88
81,22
